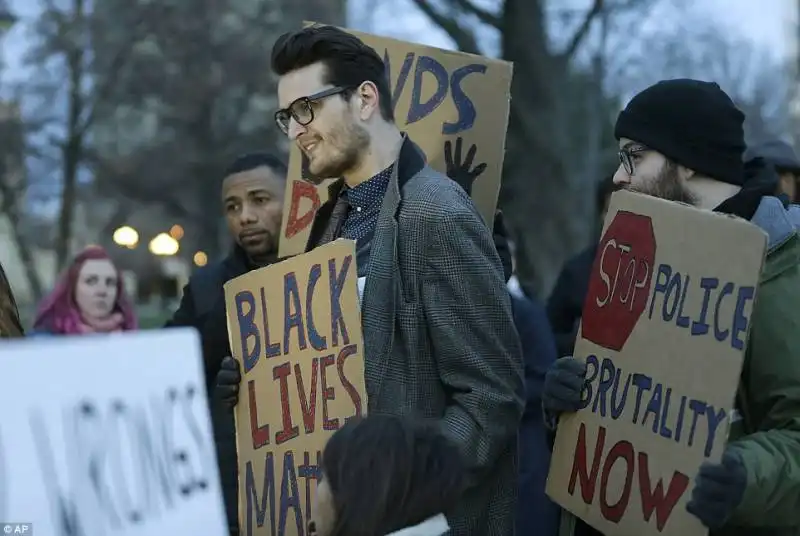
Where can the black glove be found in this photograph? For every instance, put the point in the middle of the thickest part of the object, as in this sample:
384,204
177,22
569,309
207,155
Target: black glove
501,244
228,380
562,386
460,171
719,488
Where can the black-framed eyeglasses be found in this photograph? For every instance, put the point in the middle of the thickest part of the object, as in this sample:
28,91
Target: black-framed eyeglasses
626,157
302,110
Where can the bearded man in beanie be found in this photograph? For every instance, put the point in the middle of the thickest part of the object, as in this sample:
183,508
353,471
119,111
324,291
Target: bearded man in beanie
683,140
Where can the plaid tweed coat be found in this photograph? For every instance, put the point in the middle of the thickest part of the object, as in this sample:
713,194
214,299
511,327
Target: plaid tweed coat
439,335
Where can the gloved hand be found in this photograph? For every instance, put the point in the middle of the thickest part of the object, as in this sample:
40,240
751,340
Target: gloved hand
562,386
228,380
501,244
719,489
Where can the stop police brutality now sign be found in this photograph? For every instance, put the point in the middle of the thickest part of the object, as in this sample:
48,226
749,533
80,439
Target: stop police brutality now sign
663,334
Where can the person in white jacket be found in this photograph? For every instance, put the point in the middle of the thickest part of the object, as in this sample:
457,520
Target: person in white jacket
387,476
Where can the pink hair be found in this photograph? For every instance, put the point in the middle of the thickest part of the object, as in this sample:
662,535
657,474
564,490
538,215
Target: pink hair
59,313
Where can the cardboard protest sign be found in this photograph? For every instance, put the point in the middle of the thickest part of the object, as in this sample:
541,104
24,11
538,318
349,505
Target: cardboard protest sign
439,96
663,334
108,434
295,328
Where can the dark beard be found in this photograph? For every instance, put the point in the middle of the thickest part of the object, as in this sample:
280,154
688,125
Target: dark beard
351,141
668,186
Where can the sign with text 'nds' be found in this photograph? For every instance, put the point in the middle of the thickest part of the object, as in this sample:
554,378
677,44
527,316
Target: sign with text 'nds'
108,434
295,328
663,335
439,97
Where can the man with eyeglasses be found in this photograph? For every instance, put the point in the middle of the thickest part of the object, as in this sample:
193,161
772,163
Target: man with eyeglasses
683,140
439,335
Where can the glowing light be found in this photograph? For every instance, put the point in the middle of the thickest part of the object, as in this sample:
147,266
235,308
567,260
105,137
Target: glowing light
200,258
164,245
126,237
176,232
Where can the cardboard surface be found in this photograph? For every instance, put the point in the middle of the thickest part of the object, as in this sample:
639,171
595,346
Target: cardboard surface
664,329
439,95
295,328
108,434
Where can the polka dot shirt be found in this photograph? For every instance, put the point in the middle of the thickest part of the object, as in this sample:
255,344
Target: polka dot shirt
365,205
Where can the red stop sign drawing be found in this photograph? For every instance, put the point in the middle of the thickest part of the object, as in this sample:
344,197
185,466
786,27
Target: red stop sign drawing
620,282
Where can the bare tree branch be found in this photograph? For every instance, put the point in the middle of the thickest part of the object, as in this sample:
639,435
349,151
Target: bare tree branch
583,30
483,15
598,7
464,39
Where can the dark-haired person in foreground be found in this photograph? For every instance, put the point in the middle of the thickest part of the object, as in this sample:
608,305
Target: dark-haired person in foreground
252,201
387,476
439,335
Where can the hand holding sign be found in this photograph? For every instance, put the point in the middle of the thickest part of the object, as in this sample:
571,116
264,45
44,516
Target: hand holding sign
460,171
719,488
228,381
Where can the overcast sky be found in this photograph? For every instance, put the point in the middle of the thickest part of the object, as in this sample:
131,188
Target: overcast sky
766,22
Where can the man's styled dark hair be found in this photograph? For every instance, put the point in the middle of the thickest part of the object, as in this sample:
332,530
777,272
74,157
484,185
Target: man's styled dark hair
387,473
251,161
348,61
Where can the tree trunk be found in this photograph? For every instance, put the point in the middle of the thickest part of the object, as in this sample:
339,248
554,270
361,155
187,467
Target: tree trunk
72,148
533,193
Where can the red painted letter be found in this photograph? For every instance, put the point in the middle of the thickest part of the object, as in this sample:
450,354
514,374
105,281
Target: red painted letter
344,353
614,512
260,433
579,469
289,431
308,407
654,499
300,190
327,394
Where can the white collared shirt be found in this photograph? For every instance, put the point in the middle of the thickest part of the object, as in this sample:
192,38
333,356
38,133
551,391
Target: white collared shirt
361,282
433,526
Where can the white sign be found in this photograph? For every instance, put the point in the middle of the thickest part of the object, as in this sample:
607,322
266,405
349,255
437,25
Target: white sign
108,435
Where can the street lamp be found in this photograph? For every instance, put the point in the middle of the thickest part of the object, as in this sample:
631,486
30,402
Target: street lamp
126,237
176,232
164,245
200,258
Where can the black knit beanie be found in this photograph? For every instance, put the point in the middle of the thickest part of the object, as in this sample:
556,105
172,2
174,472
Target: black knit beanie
693,123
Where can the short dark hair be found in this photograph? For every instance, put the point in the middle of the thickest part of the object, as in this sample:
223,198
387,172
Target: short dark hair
251,161
387,473
348,61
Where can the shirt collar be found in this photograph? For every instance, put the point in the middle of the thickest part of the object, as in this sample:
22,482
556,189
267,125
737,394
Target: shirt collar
370,191
433,526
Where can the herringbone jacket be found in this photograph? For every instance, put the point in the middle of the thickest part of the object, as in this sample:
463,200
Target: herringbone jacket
439,335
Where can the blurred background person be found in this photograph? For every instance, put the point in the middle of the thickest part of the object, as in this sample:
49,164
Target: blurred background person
89,297
565,306
782,157
387,475
251,200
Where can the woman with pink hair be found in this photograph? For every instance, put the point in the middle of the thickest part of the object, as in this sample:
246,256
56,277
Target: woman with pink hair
88,298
